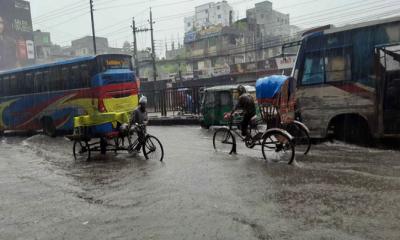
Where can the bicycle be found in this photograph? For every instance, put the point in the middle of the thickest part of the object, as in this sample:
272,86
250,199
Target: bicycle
276,144
137,135
112,139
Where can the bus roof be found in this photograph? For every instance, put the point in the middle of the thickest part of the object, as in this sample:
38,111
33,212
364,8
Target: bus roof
362,25
63,62
328,29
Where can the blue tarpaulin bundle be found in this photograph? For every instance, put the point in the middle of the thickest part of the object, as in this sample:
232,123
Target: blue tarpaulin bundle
268,87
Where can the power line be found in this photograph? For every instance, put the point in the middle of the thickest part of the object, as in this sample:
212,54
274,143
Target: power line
57,10
302,21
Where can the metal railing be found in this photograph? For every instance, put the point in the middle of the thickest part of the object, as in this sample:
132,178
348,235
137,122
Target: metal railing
178,101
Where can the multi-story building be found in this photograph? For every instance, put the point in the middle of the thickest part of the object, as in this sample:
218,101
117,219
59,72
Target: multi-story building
84,46
43,46
268,22
174,52
210,50
209,14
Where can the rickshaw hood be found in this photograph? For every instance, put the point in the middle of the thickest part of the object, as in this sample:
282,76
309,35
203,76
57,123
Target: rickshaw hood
268,87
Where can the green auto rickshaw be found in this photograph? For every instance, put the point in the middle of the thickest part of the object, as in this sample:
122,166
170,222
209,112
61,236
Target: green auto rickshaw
216,101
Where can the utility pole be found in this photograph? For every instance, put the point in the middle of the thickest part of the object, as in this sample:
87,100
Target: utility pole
135,56
93,31
153,51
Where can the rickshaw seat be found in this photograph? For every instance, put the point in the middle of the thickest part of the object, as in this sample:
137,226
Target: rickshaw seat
270,114
112,135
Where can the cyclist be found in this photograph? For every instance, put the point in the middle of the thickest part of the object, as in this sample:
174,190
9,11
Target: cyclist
247,106
140,117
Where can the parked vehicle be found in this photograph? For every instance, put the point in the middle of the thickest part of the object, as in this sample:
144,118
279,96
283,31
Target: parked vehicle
348,81
102,133
218,100
276,97
49,96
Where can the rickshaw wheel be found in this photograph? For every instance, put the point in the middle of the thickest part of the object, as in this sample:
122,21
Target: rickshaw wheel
153,149
81,150
224,141
301,137
277,146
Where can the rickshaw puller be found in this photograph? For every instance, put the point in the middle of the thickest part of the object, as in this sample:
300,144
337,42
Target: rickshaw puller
140,117
247,106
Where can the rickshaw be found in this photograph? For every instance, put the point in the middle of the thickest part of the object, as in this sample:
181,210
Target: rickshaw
276,100
218,100
276,143
112,131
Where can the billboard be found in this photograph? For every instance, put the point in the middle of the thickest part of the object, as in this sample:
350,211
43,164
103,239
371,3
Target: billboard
16,35
190,37
285,62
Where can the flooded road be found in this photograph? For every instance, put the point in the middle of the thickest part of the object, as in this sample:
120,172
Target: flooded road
339,191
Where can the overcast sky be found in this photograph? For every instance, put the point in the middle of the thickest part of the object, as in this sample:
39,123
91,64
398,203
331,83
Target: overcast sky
70,19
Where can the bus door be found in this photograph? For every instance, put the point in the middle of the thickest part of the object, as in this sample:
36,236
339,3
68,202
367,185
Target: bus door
390,74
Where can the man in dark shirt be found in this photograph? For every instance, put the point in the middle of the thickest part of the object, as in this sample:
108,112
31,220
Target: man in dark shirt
140,117
8,49
247,105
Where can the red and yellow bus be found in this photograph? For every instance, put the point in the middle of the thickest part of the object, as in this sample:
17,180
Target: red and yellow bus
49,96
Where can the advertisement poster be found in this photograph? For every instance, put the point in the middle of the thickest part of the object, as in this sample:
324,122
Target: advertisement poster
16,35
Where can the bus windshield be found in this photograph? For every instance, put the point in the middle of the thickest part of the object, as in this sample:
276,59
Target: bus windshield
115,62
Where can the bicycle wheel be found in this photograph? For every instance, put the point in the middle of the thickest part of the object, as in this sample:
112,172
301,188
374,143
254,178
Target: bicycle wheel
153,149
277,146
224,141
301,137
81,150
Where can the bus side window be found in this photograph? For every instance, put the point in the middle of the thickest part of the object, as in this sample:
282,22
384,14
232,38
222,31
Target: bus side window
64,78
85,78
28,83
13,85
6,86
54,80
19,79
46,81
313,72
75,77
38,81
338,65
1,87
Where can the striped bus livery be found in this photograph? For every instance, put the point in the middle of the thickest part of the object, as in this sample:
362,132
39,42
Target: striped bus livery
49,96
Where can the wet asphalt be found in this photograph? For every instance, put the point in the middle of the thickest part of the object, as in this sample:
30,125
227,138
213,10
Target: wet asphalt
339,191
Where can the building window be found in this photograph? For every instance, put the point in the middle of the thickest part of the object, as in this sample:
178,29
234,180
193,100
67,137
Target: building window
262,16
206,11
218,7
219,16
188,24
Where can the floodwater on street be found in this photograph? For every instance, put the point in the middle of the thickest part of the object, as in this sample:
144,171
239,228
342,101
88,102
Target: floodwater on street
339,191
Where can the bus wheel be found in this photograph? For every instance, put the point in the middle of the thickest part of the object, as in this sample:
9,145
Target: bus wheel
352,129
48,126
